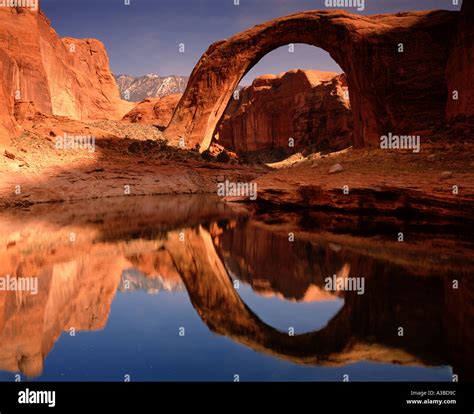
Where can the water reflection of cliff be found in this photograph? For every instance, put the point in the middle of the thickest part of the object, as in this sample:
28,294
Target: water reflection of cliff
142,242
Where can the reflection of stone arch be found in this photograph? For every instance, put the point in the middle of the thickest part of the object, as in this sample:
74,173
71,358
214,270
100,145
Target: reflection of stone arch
342,341
383,98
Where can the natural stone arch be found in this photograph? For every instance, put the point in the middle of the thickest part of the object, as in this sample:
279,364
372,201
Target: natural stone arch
383,98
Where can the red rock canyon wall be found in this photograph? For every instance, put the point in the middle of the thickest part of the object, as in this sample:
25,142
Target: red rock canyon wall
68,77
155,111
311,107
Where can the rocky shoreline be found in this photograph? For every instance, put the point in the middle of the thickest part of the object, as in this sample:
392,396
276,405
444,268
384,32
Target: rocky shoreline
437,183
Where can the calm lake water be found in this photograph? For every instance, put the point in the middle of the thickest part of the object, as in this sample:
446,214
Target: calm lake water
188,288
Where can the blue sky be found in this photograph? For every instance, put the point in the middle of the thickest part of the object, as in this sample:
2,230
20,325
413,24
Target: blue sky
144,36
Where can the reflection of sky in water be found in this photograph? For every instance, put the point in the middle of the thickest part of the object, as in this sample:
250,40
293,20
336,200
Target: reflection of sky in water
141,339
282,314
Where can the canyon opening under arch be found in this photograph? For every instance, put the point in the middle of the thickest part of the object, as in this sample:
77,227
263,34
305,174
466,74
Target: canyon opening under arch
389,89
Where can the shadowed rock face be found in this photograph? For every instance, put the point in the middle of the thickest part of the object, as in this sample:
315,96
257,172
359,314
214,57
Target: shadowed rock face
389,90
311,107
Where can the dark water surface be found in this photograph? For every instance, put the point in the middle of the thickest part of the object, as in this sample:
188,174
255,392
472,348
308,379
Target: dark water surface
188,288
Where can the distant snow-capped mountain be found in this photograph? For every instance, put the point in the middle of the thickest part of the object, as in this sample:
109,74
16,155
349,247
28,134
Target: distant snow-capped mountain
137,88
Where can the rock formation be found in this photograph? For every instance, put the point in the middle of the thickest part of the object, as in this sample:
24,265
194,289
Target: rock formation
395,66
155,111
311,107
68,77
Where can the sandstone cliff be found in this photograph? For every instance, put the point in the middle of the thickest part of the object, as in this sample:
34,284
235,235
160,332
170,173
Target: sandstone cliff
68,77
311,107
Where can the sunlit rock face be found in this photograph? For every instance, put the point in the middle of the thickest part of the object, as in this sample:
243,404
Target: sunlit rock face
291,111
68,77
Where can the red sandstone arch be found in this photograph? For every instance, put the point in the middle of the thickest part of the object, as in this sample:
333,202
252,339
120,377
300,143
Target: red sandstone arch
389,91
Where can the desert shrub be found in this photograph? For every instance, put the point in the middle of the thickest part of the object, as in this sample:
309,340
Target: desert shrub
206,155
134,147
223,157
